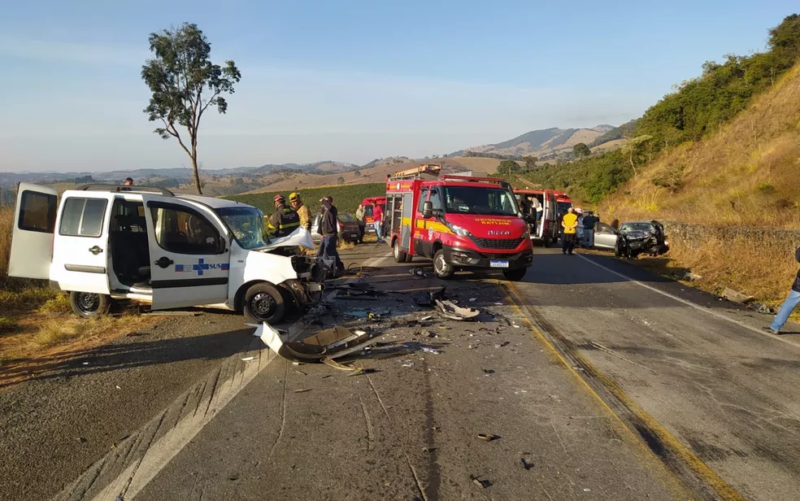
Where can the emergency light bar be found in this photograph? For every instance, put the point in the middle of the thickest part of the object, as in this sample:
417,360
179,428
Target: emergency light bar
445,177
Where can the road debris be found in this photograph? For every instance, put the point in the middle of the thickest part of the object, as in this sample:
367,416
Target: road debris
417,272
525,464
450,311
429,298
431,350
248,359
428,449
482,483
488,437
488,372
410,364
736,296
303,390
336,365
501,345
300,372
330,343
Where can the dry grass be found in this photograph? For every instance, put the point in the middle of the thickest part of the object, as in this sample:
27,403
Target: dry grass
54,332
747,174
6,221
8,325
57,304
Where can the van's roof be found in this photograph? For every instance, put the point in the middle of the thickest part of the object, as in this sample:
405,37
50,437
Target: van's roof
214,203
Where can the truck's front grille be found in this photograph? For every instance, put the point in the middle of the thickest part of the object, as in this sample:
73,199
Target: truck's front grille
497,243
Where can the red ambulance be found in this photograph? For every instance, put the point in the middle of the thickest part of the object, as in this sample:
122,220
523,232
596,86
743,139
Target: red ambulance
460,222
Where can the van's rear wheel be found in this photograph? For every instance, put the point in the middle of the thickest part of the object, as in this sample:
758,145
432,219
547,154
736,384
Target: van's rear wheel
440,266
88,304
515,275
399,256
264,303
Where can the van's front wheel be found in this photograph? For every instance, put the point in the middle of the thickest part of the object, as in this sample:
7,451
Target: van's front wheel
399,256
88,304
264,303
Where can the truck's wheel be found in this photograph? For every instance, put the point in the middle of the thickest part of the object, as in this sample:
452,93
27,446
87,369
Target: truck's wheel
440,266
399,256
515,275
264,303
409,258
87,304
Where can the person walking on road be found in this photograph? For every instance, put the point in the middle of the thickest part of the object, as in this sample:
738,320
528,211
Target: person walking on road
284,221
302,210
377,216
789,304
329,229
569,223
362,224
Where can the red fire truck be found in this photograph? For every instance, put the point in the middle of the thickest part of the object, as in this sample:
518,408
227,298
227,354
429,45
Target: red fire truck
461,222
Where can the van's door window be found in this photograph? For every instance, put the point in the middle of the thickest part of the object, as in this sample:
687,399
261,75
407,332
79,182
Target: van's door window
83,217
423,194
185,232
37,212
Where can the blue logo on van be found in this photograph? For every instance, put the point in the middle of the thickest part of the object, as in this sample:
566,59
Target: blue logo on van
201,266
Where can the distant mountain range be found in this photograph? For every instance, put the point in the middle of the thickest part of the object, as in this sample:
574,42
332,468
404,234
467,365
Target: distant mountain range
10,179
541,143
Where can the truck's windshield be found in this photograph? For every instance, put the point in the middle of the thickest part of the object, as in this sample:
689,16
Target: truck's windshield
474,200
247,225
563,207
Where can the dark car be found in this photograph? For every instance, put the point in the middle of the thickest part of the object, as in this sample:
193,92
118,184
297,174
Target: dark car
641,237
348,227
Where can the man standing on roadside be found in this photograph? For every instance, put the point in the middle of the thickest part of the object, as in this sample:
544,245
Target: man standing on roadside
362,224
329,229
377,217
589,222
789,305
285,220
569,223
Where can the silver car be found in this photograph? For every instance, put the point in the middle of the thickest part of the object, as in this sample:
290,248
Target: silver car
605,237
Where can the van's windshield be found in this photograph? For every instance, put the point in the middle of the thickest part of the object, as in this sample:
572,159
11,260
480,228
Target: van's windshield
247,225
472,200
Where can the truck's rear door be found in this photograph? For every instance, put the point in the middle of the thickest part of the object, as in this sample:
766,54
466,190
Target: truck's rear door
32,233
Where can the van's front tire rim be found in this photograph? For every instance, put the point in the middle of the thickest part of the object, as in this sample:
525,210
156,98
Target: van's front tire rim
262,305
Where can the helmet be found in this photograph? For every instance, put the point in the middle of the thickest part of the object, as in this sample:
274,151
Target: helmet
294,196
279,198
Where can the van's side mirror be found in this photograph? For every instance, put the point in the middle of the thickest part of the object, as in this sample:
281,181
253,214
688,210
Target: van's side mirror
427,209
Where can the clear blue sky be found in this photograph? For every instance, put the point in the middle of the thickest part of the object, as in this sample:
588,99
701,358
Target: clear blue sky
351,80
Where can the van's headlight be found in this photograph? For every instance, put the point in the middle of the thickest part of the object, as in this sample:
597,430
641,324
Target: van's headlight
526,235
458,230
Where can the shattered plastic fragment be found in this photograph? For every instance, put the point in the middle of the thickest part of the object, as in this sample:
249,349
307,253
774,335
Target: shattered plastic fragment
431,350
247,359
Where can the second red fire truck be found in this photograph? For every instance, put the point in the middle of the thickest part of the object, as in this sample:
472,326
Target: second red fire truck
460,222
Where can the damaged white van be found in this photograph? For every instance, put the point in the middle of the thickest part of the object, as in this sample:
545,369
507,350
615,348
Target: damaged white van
147,244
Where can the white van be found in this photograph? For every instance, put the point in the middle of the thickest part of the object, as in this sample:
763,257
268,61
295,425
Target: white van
150,245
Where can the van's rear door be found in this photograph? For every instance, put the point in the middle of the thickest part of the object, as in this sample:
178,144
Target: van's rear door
80,256
32,233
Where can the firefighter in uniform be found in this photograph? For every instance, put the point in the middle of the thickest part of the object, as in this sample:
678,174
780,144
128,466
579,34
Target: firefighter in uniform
302,210
284,221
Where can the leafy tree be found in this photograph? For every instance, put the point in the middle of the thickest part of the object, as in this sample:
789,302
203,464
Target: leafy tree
357,173
581,150
340,180
507,167
530,162
178,76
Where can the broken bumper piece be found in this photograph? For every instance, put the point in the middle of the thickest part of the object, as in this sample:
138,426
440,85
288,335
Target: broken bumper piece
330,343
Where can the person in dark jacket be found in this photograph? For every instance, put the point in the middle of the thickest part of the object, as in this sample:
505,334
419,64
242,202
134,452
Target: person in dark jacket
329,229
790,304
285,220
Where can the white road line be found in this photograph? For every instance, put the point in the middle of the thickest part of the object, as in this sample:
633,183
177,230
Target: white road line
693,305
137,475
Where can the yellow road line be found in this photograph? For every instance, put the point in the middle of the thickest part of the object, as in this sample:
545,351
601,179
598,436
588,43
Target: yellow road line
706,474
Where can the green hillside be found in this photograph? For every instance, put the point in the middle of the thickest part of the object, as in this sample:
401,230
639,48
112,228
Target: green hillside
345,198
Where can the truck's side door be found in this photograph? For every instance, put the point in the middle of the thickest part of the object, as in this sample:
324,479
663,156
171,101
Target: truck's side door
80,248
420,236
32,233
189,253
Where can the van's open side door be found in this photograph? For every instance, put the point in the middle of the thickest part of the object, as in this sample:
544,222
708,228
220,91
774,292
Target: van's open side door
32,234
189,254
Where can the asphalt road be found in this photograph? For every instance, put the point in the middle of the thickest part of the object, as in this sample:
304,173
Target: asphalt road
596,387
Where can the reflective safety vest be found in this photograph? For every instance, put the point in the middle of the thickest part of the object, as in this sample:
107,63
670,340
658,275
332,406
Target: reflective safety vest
283,222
